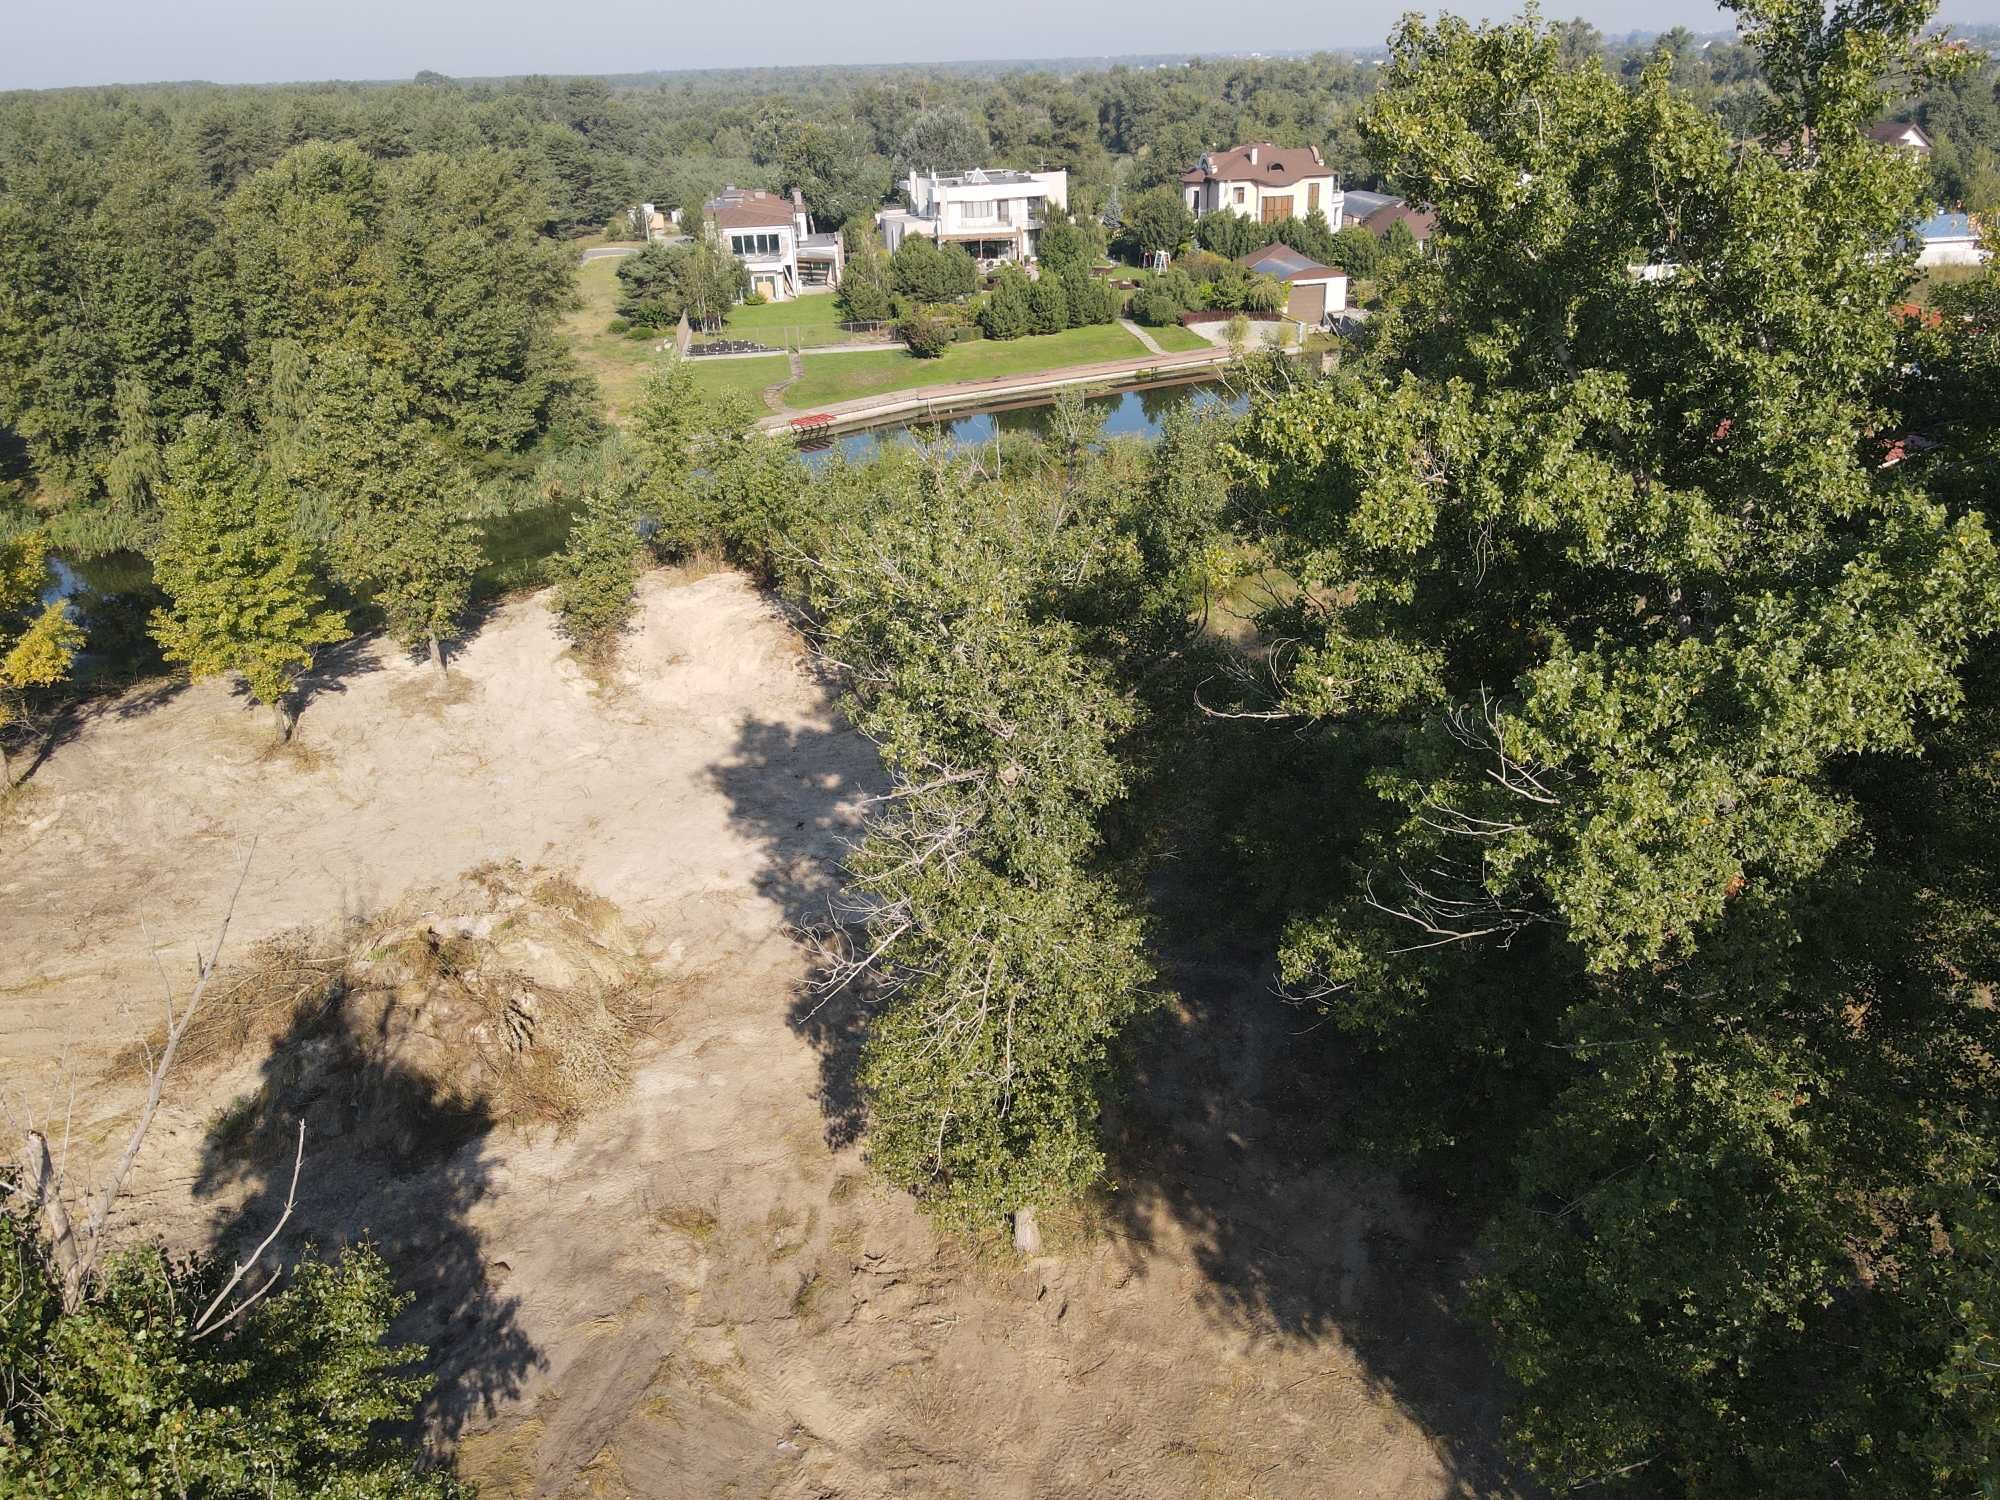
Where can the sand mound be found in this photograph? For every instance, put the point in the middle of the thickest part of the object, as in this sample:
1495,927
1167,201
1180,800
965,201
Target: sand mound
647,1255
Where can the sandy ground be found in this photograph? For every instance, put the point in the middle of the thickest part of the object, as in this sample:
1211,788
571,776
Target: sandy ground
700,1292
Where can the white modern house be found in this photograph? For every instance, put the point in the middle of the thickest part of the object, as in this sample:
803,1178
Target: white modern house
1266,183
1950,239
773,238
996,215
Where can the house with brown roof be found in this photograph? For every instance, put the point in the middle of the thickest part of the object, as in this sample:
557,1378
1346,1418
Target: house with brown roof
1266,183
1905,133
1315,292
773,238
1421,223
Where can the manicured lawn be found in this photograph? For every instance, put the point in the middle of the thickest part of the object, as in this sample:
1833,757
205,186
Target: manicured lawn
619,364
1175,339
804,322
845,377
720,377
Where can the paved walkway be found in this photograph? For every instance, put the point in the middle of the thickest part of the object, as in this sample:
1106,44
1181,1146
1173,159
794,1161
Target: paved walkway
1140,334
605,252
865,411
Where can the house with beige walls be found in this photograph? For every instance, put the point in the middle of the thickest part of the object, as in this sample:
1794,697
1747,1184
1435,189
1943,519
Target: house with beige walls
1266,183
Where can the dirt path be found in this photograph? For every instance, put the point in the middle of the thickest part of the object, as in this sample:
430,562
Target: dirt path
699,1291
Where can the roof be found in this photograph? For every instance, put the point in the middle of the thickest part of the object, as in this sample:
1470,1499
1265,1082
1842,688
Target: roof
1361,202
987,177
1949,227
1275,166
1421,223
749,208
1287,264
1891,132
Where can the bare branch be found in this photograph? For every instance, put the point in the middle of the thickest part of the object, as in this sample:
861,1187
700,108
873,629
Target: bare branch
202,1327
176,1028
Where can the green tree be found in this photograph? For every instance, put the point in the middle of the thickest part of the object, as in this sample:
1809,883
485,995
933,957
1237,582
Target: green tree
242,595
867,293
1159,221
1048,304
1006,313
1635,641
925,271
121,1395
38,641
1009,967
597,573
939,140
1357,252
398,508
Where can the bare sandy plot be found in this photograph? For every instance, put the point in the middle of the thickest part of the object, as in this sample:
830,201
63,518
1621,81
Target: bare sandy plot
698,1291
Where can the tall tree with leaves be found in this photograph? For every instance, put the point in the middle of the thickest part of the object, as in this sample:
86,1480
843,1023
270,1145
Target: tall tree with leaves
38,640
1610,611
242,593
396,508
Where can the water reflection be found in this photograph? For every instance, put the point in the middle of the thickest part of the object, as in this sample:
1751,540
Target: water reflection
1134,413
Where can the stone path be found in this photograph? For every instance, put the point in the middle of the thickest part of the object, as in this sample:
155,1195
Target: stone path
1140,334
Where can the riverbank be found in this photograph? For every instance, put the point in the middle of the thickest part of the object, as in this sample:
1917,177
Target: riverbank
928,401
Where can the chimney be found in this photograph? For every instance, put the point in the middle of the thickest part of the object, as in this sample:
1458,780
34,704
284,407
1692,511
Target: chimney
1253,156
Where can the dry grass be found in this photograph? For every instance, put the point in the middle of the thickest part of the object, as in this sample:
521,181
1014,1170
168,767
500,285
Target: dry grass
488,1037
689,1220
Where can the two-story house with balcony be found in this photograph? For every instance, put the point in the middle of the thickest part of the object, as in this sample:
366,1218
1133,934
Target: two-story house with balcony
1265,182
773,238
996,215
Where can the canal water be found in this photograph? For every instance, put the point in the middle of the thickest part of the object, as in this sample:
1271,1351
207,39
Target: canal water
115,594
1135,413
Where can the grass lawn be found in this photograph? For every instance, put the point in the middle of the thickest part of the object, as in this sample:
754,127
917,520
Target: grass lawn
1175,339
845,377
803,322
619,364
721,377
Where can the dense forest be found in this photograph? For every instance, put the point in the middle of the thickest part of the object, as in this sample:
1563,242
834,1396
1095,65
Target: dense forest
1614,781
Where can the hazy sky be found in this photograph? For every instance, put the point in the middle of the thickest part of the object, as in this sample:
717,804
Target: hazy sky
46,44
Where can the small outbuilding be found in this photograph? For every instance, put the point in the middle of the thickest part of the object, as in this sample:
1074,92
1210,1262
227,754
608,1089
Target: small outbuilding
1317,292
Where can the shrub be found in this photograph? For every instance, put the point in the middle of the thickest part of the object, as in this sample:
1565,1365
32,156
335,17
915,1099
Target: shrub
1155,307
865,294
754,299
927,331
119,1396
617,325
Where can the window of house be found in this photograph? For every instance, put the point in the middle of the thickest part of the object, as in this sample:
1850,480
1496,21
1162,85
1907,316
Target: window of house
979,208
754,244
1239,195
1312,196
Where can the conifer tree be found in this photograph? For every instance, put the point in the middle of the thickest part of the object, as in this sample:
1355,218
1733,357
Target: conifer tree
397,508
242,593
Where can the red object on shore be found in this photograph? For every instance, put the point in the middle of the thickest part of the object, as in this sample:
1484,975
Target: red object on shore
817,419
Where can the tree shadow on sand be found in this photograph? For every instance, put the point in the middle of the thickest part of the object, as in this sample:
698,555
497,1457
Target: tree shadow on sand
795,791
390,1157
1223,1136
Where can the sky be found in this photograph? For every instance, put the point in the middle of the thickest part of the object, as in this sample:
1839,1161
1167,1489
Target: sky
46,45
